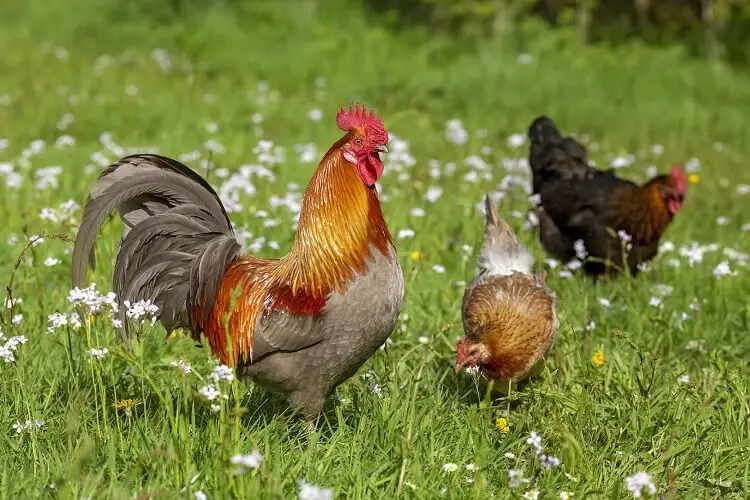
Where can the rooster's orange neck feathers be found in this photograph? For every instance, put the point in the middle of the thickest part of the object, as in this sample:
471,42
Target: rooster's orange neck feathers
339,220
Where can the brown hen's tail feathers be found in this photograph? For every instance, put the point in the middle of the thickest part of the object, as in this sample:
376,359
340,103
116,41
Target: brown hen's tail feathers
177,241
502,252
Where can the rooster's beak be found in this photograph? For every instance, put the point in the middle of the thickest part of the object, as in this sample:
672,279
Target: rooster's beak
382,149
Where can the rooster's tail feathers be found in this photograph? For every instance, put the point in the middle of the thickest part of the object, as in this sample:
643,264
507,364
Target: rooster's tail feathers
177,241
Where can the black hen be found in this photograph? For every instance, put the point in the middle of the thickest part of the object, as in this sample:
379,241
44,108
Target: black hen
584,209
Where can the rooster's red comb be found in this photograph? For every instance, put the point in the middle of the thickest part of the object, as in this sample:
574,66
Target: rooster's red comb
358,116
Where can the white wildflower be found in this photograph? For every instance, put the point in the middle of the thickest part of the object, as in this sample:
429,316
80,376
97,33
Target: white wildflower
141,310
20,427
250,461
723,269
182,365
97,352
662,290
51,261
450,467
433,194
223,372
56,321
210,392
516,478
531,495
580,248
312,492
638,482
455,132
315,115
438,269
65,141
684,379
516,140
9,348
622,161
535,440
573,265
92,299
75,321
549,462
405,233
525,58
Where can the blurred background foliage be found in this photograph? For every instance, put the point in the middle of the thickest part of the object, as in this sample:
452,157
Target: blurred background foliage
705,28
711,28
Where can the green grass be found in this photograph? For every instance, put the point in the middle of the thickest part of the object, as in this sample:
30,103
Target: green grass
604,423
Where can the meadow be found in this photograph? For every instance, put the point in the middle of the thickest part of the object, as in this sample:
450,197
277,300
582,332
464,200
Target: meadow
647,375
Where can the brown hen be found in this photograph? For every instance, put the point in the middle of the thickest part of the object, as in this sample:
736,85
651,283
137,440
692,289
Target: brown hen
508,312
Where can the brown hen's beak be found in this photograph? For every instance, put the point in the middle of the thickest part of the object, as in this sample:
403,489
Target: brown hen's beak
458,367
382,149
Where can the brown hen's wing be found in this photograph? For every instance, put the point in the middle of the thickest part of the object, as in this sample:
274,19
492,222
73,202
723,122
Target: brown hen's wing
514,317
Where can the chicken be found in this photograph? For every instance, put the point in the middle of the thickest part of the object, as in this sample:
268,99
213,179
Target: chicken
509,314
591,213
300,325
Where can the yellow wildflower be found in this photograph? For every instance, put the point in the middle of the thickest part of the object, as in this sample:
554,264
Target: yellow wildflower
502,425
694,178
598,358
127,405
415,256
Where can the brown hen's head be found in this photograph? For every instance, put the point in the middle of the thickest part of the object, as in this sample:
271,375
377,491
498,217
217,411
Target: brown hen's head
470,354
673,188
367,137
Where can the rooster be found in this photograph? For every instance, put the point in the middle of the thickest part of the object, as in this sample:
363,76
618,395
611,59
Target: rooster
508,312
591,213
300,325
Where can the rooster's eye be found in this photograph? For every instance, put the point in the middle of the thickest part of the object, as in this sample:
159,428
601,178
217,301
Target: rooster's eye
358,142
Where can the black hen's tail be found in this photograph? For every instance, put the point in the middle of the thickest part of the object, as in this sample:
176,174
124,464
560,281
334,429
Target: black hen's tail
553,156
177,242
